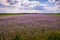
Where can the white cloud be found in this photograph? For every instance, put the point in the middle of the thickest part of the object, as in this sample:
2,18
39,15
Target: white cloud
57,3
19,8
16,10
51,1
30,4
4,2
26,6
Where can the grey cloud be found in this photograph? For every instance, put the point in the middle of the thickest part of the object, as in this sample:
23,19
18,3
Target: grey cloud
5,6
58,4
12,2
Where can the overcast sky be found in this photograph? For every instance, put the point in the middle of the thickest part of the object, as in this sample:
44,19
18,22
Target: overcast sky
29,6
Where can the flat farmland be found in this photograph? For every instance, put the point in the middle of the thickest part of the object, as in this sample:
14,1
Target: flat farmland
30,27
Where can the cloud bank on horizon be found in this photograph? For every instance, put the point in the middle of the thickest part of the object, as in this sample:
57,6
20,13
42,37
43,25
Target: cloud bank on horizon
29,6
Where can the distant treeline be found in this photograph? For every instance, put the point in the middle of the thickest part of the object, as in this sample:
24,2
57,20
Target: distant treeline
25,13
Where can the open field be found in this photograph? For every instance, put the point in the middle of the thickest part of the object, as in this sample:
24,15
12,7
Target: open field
30,27
57,14
16,14
1,15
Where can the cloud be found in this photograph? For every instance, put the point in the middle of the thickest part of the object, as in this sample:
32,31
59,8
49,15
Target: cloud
57,4
26,6
35,5
30,4
4,2
51,1
12,2
16,10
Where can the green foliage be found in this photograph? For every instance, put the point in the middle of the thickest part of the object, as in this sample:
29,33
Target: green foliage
11,14
54,36
17,37
57,14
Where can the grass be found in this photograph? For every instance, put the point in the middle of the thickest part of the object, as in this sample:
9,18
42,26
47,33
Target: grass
17,37
33,34
58,14
29,31
39,36
13,14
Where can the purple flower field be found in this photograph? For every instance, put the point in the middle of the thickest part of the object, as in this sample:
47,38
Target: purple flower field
29,26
